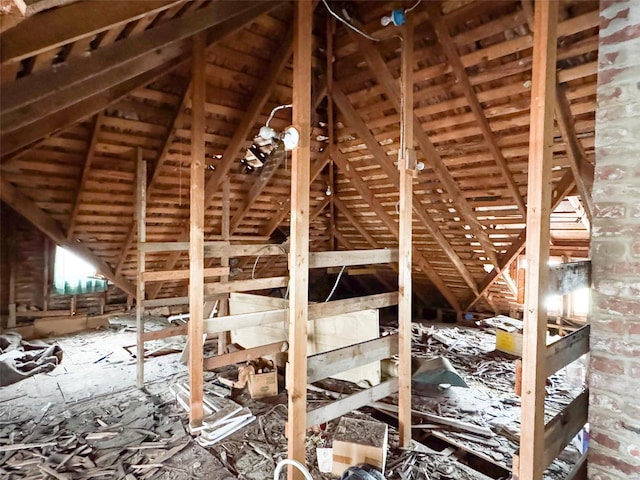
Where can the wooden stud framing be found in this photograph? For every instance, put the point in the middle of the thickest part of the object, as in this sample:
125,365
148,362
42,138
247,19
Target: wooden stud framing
196,237
223,305
141,220
296,377
532,448
406,166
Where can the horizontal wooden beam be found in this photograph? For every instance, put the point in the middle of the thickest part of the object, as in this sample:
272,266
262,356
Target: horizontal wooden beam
246,285
169,275
173,301
568,349
316,311
149,247
348,258
352,402
47,225
563,427
32,106
164,333
244,355
61,26
327,364
565,278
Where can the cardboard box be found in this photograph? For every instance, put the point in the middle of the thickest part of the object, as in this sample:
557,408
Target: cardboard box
357,442
263,384
509,342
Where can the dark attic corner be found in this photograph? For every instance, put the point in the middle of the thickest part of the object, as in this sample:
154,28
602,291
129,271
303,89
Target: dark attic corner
320,239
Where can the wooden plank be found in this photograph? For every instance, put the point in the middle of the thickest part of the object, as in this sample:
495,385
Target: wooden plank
350,305
223,308
352,402
196,231
532,437
86,169
564,351
406,167
296,373
352,257
246,285
177,246
161,276
164,333
579,470
32,98
244,355
141,220
450,50
583,171
85,103
172,301
327,364
316,311
565,278
563,427
61,26
47,225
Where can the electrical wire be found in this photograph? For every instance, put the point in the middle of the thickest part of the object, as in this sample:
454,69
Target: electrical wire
335,285
414,6
280,107
255,264
351,26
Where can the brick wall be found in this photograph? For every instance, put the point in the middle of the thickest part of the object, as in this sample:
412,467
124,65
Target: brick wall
614,376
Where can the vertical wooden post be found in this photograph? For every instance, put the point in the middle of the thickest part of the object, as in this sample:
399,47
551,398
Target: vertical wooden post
141,219
196,236
529,465
406,165
12,322
223,309
45,274
299,255
333,244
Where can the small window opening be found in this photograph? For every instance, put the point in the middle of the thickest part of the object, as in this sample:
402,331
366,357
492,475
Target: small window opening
73,275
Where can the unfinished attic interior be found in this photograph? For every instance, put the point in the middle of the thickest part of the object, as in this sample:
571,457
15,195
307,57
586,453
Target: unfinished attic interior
320,239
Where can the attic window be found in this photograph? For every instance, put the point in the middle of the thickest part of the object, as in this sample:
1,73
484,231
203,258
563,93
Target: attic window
72,275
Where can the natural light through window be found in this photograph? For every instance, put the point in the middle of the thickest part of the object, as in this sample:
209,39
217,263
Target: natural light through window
73,275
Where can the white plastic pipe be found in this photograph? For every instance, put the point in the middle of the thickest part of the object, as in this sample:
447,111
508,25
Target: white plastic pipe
295,463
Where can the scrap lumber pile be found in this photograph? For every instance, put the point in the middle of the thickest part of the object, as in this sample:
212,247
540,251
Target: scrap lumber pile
113,437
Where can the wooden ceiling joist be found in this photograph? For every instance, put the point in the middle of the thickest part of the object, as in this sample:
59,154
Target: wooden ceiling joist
47,225
380,70
451,52
71,23
32,100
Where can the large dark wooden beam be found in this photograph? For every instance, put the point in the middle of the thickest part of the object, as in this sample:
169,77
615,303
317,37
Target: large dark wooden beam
30,106
61,26
47,225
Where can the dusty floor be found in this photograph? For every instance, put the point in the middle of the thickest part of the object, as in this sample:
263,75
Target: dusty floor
89,410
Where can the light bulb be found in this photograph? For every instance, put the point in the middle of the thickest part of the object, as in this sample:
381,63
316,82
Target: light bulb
267,132
328,192
290,138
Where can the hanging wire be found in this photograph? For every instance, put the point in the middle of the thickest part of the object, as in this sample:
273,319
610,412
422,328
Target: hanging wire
351,26
335,285
414,6
281,107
